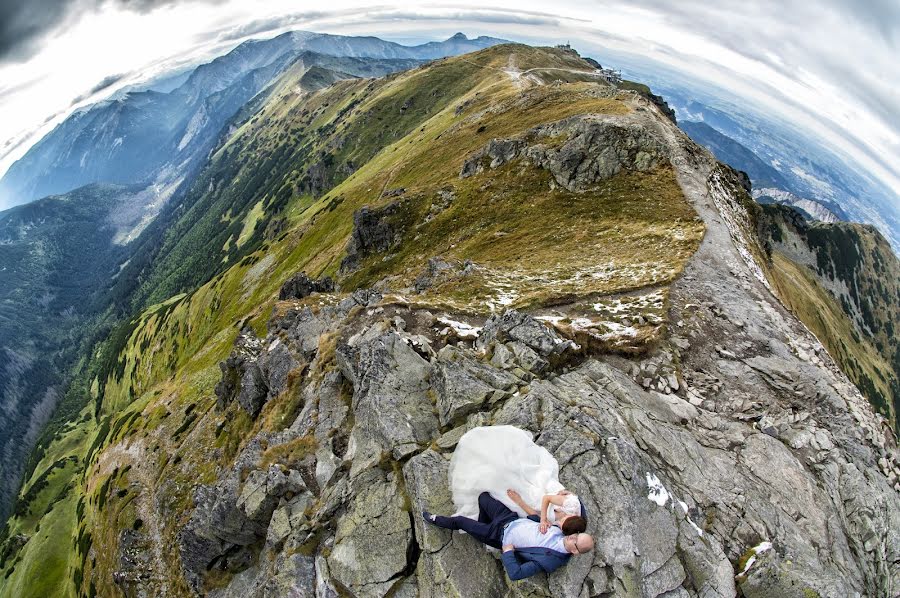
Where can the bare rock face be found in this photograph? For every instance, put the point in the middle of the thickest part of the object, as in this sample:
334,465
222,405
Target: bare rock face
239,365
594,150
300,285
677,494
263,489
375,230
390,396
517,326
216,532
464,385
252,376
373,537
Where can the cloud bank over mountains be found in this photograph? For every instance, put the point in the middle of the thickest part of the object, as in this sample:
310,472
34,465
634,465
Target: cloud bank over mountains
828,68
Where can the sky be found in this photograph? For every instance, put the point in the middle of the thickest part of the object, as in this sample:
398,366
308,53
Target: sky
828,67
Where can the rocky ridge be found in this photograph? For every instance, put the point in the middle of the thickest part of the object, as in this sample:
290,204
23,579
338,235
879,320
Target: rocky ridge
592,150
722,453
858,273
761,470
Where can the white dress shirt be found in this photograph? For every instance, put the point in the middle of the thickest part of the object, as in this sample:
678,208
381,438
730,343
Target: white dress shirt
525,533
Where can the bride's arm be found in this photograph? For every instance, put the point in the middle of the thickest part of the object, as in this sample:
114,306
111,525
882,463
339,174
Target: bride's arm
517,498
555,499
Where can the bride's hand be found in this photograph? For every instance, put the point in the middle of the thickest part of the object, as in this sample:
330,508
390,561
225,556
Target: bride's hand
545,525
563,492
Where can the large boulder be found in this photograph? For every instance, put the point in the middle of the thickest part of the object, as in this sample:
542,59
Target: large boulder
464,385
303,328
390,392
300,285
288,518
514,325
495,154
373,537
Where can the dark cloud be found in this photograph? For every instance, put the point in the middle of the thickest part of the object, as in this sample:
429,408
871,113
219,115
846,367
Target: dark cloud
24,22
260,26
108,81
21,23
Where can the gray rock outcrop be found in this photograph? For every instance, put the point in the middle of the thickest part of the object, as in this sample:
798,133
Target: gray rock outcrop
375,230
464,385
300,285
252,376
521,328
390,399
373,537
593,150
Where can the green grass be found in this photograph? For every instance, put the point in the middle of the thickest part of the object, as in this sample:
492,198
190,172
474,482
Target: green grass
48,570
814,306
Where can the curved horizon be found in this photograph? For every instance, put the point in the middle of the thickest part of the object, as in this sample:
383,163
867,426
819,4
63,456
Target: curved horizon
93,50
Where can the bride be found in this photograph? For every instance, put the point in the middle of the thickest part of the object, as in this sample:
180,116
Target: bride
505,461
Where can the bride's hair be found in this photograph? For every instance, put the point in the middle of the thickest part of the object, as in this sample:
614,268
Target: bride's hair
574,525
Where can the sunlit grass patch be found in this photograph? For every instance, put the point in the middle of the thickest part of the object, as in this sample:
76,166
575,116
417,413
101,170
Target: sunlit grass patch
533,245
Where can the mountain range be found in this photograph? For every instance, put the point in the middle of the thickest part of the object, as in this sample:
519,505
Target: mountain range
127,157
813,170
152,137
769,184
269,372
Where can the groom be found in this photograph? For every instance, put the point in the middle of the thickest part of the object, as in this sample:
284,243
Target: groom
526,551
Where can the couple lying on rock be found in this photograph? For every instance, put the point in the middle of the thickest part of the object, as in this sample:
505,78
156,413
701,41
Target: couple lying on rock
496,473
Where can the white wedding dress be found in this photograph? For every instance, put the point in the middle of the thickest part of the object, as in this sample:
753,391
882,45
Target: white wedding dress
497,458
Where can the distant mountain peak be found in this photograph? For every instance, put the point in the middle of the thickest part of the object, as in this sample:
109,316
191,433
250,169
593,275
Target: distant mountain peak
81,149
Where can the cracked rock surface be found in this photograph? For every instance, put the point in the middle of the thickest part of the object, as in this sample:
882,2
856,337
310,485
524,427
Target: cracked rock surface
734,458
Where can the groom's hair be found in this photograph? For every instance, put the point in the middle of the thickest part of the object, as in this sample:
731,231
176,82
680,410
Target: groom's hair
574,525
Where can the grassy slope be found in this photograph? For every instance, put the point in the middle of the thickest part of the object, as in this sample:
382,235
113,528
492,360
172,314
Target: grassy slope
857,326
159,396
822,314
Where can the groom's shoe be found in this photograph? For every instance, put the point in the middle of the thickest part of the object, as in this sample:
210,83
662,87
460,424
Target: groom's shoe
439,520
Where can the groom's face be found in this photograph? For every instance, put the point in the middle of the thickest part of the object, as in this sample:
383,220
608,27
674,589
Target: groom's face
573,546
